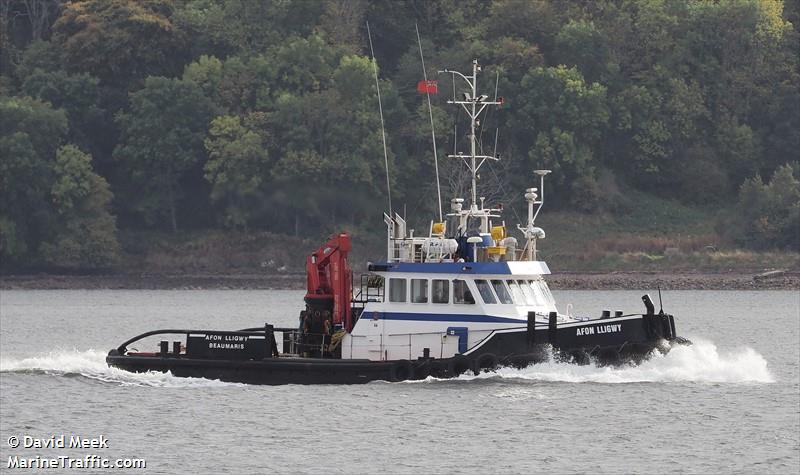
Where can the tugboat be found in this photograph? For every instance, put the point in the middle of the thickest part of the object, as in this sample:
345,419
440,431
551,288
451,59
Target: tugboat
466,297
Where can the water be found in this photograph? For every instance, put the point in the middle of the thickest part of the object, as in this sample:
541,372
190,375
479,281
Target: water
729,403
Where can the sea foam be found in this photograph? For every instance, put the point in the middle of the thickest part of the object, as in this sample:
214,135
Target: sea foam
91,364
699,362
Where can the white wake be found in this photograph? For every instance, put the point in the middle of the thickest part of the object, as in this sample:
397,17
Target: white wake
92,364
699,362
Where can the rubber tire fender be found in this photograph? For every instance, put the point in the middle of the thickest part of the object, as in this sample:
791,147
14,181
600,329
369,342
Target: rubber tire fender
438,369
458,365
580,357
608,357
486,361
401,370
422,370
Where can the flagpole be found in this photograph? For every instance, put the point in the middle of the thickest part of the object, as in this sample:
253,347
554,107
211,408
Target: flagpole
433,132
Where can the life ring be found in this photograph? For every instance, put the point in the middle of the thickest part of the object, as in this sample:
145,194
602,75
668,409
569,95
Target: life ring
401,371
458,365
486,361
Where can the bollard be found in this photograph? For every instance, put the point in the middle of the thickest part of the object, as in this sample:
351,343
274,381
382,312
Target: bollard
552,328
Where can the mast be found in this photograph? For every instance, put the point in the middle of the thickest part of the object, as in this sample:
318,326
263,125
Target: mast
473,105
535,201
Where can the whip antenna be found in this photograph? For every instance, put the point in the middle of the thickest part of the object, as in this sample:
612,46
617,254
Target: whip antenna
660,303
433,132
383,130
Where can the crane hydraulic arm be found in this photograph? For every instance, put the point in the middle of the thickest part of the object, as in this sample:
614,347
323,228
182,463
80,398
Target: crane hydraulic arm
330,280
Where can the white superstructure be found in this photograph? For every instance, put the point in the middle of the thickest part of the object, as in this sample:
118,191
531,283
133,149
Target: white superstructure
448,292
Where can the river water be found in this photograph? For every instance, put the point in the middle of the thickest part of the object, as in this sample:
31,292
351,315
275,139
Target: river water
730,403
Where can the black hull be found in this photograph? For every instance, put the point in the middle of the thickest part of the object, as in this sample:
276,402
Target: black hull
606,341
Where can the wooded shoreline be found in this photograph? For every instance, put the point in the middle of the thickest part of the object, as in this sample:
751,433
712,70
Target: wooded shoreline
671,128
784,280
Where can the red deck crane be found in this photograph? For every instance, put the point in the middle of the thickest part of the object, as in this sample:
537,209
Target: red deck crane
330,280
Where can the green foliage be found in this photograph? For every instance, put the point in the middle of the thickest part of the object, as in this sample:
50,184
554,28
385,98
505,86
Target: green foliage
79,96
84,229
236,167
30,131
120,41
768,215
43,125
566,117
226,27
581,44
675,99
23,181
161,143
38,56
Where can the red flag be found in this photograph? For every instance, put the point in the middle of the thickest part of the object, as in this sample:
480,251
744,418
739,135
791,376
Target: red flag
427,87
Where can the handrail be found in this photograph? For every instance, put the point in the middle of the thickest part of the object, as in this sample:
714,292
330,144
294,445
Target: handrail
123,347
276,329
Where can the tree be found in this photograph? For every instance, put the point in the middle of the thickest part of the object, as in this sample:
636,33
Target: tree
23,179
84,235
226,28
237,85
768,215
328,147
537,21
79,96
30,132
564,117
40,15
581,44
161,144
236,169
39,121
342,21
120,41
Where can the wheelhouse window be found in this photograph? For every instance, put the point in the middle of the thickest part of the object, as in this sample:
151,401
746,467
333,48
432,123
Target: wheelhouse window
486,291
527,291
502,292
397,290
516,292
461,292
419,290
534,286
441,290
541,290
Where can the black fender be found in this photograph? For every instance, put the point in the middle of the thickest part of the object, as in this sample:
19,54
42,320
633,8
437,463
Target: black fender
422,369
458,365
401,370
608,357
486,361
580,357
